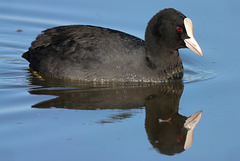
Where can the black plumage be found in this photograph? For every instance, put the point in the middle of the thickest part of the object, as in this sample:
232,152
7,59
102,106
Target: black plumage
90,53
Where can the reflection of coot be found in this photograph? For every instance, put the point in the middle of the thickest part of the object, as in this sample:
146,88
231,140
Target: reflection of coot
168,131
164,126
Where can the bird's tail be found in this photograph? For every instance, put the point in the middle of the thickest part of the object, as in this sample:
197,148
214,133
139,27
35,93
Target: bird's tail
26,56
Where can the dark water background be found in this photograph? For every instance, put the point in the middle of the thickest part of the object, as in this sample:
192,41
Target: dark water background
51,120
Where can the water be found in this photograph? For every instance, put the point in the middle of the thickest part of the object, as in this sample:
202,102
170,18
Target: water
53,120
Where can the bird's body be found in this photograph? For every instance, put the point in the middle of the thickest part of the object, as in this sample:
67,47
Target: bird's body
90,53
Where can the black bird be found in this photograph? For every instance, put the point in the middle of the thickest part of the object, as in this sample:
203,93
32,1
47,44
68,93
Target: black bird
90,53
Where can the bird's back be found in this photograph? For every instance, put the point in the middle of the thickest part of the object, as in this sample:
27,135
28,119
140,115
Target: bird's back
84,52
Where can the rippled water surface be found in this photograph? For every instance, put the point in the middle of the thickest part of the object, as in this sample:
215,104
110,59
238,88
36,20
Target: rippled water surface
43,119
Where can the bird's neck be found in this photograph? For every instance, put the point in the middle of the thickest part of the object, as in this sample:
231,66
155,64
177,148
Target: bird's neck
166,62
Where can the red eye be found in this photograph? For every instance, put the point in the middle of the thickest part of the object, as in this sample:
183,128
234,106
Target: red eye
179,29
179,138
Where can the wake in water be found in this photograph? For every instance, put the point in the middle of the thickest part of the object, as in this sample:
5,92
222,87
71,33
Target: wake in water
196,69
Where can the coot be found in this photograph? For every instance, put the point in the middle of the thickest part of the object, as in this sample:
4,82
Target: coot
91,53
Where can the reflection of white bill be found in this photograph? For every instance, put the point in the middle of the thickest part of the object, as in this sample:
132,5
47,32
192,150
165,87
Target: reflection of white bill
190,124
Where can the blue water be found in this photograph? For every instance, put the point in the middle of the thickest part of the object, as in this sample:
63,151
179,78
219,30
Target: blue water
50,120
